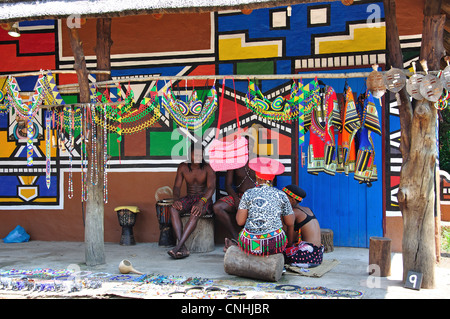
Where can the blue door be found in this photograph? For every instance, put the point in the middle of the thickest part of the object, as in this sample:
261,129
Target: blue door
353,211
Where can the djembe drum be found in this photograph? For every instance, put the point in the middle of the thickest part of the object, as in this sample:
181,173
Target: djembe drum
166,237
127,218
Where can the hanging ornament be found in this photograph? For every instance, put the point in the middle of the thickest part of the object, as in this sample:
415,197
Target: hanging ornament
445,75
443,101
105,157
48,121
431,86
375,83
394,79
94,155
413,84
30,136
69,150
83,154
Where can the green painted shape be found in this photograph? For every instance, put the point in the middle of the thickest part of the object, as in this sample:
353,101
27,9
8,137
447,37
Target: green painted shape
262,67
166,143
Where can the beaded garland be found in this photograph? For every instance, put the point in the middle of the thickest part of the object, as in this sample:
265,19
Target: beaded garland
299,102
180,111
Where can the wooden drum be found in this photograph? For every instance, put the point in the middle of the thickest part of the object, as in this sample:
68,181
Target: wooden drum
127,218
166,237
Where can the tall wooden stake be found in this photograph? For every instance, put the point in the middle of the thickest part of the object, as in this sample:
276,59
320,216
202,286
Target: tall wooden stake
416,193
103,48
94,229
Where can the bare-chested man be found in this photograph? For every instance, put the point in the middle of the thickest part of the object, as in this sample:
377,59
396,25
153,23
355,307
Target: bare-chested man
200,183
226,207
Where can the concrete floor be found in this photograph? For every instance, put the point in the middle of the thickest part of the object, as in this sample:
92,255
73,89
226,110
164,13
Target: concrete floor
351,273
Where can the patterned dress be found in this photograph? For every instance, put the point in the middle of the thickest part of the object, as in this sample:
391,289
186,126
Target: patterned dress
350,126
322,146
366,170
262,233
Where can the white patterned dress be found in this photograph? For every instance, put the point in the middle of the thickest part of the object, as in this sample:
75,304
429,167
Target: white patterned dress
262,233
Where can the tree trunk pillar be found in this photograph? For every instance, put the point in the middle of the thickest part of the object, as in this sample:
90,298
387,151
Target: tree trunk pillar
94,223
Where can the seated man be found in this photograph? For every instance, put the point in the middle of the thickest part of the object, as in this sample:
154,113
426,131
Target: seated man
200,183
243,178
308,252
262,210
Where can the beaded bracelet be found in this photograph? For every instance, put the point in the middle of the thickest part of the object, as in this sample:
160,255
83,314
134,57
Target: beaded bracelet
204,199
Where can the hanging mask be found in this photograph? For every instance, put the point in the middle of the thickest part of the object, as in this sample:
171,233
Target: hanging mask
394,79
375,83
413,84
431,87
445,75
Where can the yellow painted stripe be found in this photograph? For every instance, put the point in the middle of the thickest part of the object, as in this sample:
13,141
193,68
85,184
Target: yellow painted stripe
364,39
11,200
19,200
232,49
45,200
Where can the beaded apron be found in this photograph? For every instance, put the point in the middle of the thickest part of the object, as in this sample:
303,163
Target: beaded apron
262,244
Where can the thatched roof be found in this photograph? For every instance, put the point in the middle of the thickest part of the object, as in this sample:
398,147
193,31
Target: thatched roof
14,10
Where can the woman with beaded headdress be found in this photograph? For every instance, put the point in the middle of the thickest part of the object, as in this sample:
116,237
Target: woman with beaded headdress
307,251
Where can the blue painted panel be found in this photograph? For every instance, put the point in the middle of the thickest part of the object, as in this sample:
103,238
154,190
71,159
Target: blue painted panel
353,211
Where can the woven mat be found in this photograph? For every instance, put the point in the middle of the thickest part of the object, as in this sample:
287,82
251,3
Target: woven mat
316,272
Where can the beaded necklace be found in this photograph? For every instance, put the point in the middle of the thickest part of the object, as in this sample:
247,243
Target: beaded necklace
94,155
69,149
248,176
84,164
105,159
263,184
47,149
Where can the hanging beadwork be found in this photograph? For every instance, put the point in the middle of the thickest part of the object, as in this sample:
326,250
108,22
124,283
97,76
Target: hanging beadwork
105,157
48,122
192,115
69,150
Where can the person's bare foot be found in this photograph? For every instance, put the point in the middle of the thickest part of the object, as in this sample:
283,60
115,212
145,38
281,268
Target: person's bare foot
228,243
180,253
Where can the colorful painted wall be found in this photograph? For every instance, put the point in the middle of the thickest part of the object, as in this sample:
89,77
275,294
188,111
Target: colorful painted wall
305,38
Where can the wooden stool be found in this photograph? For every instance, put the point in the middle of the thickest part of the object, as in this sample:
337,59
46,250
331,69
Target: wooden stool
380,254
266,268
127,218
201,239
326,237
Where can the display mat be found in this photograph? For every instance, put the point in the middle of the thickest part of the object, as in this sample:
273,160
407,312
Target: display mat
48,283
317,272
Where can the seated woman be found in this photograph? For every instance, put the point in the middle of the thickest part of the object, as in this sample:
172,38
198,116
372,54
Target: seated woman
308,252
261,209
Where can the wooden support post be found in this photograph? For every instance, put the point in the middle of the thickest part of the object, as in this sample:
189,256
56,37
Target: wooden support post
93,235
103,48
380,255
327,237
416,194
